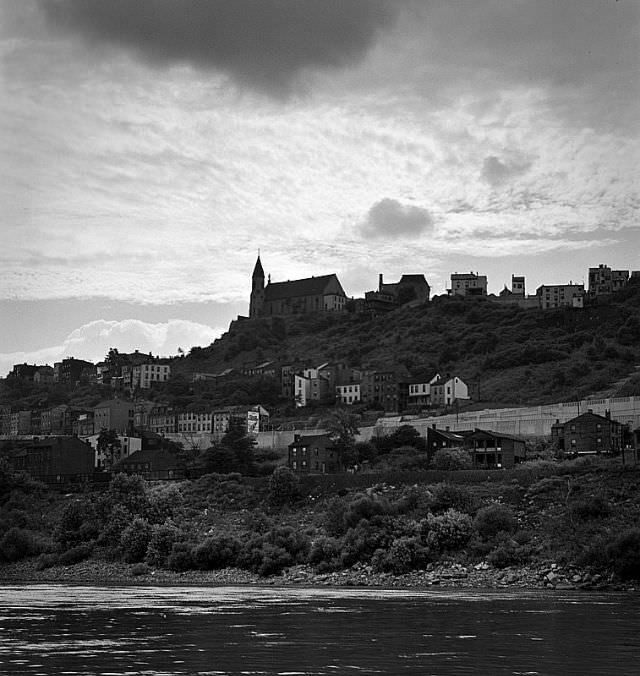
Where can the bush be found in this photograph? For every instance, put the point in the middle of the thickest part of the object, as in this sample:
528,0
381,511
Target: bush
161,542
139,569
129,491
404,555
451,459
76,554
164,500
114,524
283,487
17,544
592,507
135,540
46,561
324,555
365,507
268,554
216,552
180,558
449,531
452,496
495,519
333,519
624,554
77,524
508,552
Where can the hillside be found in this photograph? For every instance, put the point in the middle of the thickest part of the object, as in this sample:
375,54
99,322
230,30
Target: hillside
507,355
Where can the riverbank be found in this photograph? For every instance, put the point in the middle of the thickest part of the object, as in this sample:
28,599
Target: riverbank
481,576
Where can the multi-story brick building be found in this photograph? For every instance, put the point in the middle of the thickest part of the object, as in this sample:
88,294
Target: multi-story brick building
468,284
603,280
314,454
560,295
589,433
114,414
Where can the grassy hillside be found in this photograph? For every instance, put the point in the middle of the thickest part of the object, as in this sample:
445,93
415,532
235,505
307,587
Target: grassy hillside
506,354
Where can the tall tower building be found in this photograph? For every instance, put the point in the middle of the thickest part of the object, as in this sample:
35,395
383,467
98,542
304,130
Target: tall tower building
256,302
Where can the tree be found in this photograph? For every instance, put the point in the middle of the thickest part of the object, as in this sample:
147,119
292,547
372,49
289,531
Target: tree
109,447
342,427
234,453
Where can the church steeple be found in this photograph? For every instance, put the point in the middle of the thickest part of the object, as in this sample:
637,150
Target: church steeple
256,301
258,272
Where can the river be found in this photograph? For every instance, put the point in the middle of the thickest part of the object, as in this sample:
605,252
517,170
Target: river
72,630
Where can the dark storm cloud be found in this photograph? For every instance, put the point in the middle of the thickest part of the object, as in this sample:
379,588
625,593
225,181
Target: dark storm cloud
261,43
496,172
389,218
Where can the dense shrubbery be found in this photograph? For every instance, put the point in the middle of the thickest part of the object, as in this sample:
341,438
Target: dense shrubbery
18,543
494,519
451,459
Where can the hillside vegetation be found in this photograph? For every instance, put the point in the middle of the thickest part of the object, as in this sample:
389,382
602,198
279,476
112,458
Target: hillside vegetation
506,354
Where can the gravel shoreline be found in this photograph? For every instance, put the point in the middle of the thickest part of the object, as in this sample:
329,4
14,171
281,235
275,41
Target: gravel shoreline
481,576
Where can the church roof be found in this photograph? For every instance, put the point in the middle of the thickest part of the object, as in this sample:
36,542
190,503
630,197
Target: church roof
257,270
313,286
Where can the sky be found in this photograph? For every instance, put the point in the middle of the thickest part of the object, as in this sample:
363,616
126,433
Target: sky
149,149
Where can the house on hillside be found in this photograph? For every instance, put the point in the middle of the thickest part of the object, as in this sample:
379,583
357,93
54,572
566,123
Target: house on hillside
314,454
589,433
55,459
494,450
156,464
437,439
447,390
419,391
300,296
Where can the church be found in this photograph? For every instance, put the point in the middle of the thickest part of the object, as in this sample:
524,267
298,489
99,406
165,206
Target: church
300,296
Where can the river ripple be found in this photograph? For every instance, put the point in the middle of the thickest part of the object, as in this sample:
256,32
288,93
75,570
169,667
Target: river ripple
73,630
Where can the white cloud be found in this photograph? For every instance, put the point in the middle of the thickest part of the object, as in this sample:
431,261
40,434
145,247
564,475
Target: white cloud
93,340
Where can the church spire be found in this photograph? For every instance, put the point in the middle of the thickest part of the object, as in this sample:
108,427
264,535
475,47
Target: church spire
258,272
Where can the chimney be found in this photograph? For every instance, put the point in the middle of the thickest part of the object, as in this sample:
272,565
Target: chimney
607,415
446,429
433,426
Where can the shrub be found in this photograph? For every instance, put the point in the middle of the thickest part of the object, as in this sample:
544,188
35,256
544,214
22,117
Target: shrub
114,524
17,544
216,552
404,555
591,507
495,519
180,558
451,459
129,491
333,520
508,552
452,496
76,554
135,540
77,524
139,569
274,560
283,487
365,507
624,554
324,555
160,543
164,500
46,561
449,531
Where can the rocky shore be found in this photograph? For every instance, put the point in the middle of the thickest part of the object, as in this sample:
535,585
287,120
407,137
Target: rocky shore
481,576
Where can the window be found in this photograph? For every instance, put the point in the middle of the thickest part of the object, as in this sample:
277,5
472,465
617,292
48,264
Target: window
573,442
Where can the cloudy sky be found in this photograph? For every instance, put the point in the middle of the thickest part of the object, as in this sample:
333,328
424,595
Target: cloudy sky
148,149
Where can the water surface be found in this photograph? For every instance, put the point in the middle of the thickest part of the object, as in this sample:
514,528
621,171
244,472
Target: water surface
63,629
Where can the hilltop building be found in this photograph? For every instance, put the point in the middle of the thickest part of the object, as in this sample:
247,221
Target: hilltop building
603,280
468,284
560,295
300,296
